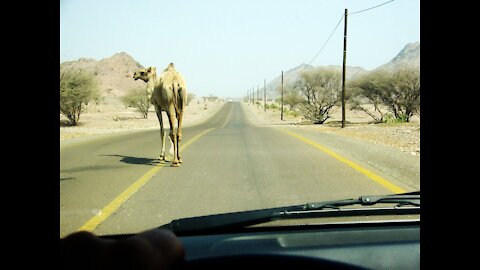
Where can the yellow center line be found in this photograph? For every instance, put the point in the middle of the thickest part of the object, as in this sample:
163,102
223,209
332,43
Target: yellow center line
93,223
227,119
369,174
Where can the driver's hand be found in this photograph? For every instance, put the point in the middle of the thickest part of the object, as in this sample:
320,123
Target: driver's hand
154,249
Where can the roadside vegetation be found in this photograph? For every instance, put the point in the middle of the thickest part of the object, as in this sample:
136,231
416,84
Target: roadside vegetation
385,96
77,89
394,96
138,99
319,90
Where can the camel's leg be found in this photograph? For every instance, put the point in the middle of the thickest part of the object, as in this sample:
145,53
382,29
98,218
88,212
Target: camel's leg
173,136
163,134
179,133
182,98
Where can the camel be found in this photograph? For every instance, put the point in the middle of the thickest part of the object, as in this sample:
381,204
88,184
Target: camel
168,93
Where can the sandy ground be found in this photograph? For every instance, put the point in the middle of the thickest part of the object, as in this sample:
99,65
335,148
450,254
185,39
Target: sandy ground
402,136
104,119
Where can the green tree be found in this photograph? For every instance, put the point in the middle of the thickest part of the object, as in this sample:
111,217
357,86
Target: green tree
398,91
321,89
406,92
77,89
366,91
138,99
211,98
292,98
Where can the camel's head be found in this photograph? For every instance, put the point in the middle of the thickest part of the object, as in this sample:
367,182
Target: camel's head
145,74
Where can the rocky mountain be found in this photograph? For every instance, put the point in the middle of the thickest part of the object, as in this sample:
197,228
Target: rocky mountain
289,77
409,55
114,74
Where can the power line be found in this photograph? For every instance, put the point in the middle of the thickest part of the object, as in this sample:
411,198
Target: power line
370,7
363,10
327,39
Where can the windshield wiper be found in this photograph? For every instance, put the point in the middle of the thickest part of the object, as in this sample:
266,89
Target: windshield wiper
412,198
404,204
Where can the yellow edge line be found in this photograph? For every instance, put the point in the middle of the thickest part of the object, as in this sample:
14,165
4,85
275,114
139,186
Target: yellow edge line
369,174
93,223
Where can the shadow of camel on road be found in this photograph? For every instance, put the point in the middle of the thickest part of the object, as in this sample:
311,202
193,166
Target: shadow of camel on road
139,160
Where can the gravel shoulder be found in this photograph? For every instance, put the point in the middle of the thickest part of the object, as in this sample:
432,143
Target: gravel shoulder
402,136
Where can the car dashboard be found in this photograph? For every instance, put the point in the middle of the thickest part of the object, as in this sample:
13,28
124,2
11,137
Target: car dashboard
372,245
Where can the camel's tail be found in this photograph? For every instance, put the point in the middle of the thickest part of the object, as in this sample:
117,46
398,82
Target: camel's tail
175,97
178,101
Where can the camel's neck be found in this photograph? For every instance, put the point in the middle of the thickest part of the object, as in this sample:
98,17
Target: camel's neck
151,83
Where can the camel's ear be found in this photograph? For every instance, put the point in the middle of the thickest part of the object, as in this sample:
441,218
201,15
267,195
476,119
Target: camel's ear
152,70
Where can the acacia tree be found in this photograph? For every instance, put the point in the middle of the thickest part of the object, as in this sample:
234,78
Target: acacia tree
293,98
138,99
406,92
365,91
398,91
77,89
321,89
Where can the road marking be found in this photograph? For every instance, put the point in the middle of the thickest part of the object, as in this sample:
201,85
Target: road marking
369,174
228,118
103,214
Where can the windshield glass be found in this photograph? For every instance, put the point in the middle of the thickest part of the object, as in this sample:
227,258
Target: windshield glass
178,109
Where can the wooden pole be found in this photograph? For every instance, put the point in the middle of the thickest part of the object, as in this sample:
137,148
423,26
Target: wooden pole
281,115
264,95
344,68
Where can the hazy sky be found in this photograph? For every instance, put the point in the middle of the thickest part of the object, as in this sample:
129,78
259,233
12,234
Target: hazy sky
226,47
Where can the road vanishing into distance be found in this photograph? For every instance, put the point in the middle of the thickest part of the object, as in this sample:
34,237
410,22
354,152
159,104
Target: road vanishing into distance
114,185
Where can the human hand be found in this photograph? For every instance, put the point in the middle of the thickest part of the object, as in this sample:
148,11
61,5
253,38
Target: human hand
153,249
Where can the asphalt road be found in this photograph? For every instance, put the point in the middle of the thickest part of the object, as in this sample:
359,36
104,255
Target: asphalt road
114,184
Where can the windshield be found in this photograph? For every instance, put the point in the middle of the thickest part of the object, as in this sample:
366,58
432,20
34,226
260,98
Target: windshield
179,109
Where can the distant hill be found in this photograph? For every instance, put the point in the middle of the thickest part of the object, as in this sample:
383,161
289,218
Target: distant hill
114,74
409,55
289,77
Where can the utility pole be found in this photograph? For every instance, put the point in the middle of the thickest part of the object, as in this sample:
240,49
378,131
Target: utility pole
281,115
253,96
264,95
344,68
